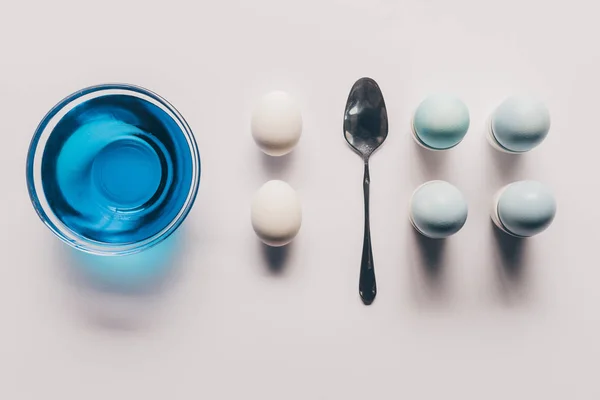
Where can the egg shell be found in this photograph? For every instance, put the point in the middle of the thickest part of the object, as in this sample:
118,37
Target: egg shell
276,123
524,208
440,122
438,209
276,213
519,124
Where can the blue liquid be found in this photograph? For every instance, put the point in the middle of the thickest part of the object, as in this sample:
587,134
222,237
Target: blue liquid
116,169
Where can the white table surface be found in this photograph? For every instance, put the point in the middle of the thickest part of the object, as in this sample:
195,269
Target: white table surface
477,318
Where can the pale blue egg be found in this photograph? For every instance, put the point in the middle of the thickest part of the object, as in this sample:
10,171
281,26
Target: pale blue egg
526,208
441,122
438,209
520,123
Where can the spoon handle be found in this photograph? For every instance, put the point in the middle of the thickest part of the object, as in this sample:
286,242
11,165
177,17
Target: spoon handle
367,287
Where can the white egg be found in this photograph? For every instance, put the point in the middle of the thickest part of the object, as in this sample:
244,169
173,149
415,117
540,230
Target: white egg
276,213
276,123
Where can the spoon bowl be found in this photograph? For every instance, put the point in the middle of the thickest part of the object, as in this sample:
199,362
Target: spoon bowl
365,119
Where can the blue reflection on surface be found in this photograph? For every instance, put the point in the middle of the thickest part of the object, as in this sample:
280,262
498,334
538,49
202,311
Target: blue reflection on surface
130,273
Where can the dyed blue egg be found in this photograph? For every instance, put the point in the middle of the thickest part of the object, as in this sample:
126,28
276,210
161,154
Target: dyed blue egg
438,209
519,124
441,122
526,208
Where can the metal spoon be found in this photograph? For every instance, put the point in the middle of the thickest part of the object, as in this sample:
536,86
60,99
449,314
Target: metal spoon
365,129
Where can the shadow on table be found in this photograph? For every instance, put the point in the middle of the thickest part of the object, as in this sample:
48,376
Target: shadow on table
511,264
276,258
428,265
506,165
432,163
122,292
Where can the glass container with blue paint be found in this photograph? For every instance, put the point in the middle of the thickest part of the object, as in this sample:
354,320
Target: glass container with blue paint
113,169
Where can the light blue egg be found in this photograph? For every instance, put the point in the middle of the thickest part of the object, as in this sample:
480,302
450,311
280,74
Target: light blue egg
441,122
526,208
520,123
438,209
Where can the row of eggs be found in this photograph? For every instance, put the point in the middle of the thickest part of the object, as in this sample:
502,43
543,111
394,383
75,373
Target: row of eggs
438,210
440,122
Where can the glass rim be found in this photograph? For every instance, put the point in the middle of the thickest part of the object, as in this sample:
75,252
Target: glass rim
35,154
